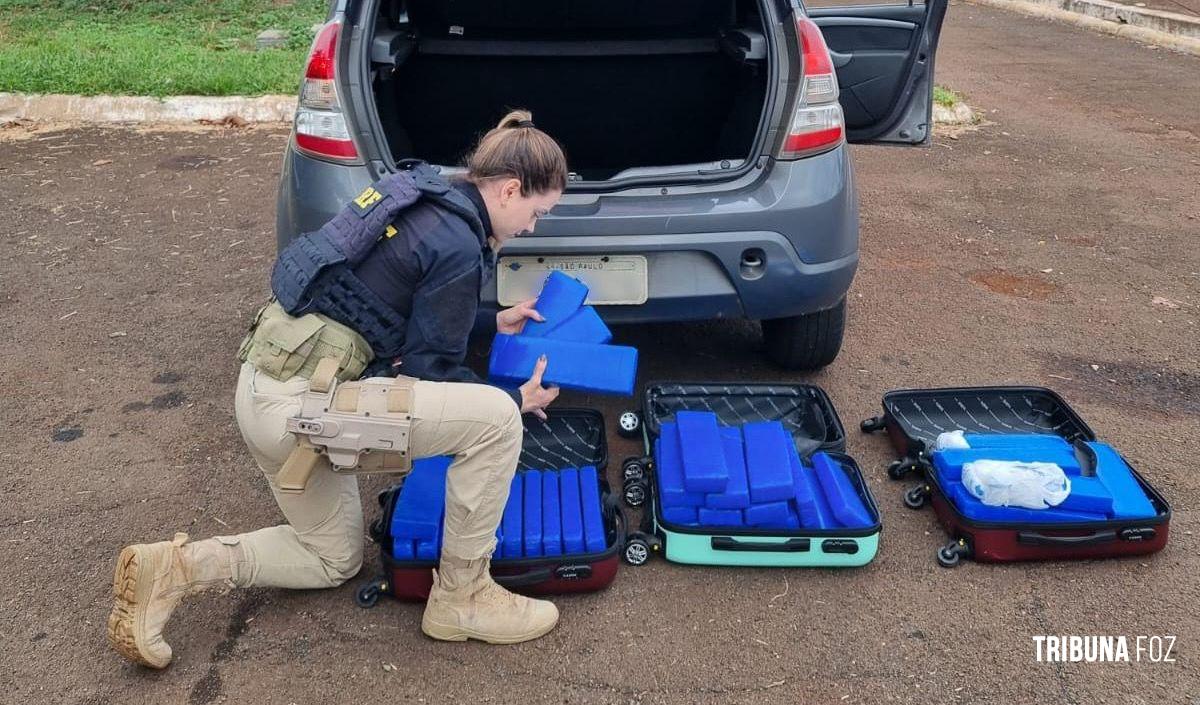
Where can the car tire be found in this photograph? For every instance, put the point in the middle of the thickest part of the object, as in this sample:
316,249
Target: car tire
807,342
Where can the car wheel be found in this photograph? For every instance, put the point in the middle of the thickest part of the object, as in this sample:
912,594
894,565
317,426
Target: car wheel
807,342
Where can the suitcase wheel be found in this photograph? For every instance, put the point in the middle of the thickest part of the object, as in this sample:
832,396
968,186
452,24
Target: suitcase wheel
637,549
897,469
871,425
949,555
368,595
634,469
635,492
917,496
629,425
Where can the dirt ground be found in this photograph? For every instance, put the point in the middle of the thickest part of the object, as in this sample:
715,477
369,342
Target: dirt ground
1058,244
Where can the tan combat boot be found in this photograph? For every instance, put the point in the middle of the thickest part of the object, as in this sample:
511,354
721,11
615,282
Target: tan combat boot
150,581
465,603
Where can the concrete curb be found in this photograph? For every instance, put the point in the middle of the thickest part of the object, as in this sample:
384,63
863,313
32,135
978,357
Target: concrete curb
124,109
1165,29
960,114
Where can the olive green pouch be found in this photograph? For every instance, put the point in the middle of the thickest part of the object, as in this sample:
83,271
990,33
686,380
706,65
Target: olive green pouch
283,346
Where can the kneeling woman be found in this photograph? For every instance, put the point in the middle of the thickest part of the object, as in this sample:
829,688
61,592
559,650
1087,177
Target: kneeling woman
427,271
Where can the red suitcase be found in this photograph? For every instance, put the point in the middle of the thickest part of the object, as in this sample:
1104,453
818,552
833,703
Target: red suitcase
914,417
567,438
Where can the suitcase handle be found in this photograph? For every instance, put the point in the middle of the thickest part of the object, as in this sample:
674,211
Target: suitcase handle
728,543
1033,538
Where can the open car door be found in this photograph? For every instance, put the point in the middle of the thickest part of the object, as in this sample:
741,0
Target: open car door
883,55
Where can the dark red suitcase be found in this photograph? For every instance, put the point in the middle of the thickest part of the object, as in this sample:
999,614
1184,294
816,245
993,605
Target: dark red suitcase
567,438
914,417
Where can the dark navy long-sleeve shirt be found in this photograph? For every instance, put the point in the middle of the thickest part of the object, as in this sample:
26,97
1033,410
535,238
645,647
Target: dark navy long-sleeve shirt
432,270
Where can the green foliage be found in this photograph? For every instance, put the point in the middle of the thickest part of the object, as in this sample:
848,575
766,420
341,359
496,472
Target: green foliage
946,97
153,47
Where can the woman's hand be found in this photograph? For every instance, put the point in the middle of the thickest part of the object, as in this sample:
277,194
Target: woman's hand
512,320
534,397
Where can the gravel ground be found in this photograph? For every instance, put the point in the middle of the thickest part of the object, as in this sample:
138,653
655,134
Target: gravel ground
1057,244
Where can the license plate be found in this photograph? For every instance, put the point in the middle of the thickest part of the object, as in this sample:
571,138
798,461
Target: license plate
612,280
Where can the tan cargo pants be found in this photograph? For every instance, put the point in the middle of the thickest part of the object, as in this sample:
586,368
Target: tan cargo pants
322,543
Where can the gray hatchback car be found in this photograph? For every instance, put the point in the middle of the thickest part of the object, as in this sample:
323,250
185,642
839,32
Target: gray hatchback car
707,139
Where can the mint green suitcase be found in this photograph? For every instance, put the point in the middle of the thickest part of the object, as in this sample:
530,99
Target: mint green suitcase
808,413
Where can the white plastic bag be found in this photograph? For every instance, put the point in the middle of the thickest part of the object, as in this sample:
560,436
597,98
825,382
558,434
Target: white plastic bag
1008,483
950,439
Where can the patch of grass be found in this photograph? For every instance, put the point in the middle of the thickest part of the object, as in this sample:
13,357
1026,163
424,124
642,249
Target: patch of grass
153,47
946,97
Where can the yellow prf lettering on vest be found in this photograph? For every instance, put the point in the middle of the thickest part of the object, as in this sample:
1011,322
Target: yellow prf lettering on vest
391,230
367,197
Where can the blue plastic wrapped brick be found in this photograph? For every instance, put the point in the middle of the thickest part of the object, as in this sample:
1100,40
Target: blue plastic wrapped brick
604,369
811,505
511,522
737,492
1088,494
972,508
532,528
767,514
948,463
680,515
767,462
703,454
719,517
572,511
404,549
1041,441
593,518
1129,499
1113,492
429,549
561,296
418,513
583,326
844,501
669,470
551,515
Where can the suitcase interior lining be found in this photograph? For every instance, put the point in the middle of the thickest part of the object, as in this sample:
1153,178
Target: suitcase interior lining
804,410
923,414
567,439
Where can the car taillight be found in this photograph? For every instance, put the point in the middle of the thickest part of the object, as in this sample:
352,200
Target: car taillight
320,127
816,123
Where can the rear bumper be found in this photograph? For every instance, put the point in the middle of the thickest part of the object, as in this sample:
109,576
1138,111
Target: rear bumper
802,216
696,276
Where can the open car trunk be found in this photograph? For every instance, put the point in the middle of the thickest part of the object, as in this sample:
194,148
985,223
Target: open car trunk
629,87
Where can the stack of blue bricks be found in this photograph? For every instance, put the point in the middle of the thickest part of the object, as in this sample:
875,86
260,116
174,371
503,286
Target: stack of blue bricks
417,518
749,476
548,513
1111,493
574,340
